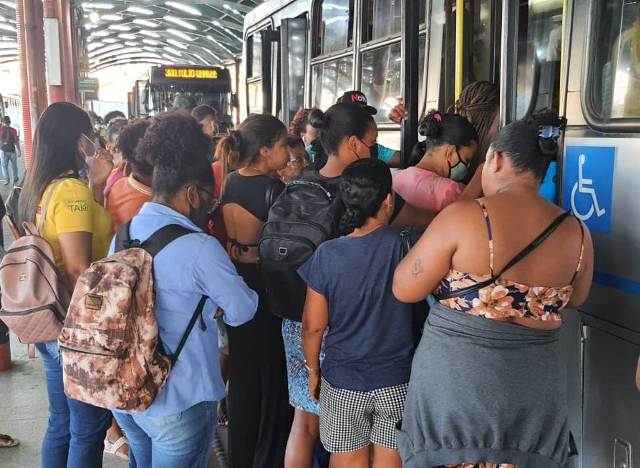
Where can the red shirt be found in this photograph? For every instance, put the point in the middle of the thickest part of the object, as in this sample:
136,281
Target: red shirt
13,135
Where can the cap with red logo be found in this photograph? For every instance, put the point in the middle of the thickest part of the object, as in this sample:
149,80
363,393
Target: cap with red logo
357,97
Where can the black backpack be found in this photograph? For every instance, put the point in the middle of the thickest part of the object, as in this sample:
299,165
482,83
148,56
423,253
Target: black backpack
8,145
301,218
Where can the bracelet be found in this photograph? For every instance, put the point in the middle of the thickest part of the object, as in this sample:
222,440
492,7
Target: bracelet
311,370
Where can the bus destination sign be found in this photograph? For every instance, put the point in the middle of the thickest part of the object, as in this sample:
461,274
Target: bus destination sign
191,73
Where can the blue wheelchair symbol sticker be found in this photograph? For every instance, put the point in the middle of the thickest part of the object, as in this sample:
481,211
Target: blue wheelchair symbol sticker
588,184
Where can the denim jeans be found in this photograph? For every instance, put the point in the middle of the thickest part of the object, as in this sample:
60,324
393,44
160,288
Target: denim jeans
76,430
182,440
5,160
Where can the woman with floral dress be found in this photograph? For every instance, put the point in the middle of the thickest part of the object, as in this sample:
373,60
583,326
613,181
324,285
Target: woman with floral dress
488,384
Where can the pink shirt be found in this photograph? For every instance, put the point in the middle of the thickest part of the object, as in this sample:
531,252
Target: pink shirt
425,189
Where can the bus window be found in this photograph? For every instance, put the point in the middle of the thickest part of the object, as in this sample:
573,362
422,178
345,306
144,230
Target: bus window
332,32
382,19
538,64
334,27
255,97
255,61
614,78
381,66
381,71
479,32
423,13
294,32
330,81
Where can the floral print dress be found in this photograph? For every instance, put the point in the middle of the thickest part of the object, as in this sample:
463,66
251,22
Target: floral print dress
504,299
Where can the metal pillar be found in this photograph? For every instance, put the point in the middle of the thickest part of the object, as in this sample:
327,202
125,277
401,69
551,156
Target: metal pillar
410,47
39,81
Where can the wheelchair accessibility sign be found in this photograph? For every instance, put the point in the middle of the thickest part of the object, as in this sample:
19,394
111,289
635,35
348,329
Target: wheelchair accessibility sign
588,184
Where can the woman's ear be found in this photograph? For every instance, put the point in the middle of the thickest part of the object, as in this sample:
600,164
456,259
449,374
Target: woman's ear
497,161
450,154
193,197
264,152
353,141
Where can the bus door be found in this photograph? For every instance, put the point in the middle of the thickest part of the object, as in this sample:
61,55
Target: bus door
464,46
293,66
262,89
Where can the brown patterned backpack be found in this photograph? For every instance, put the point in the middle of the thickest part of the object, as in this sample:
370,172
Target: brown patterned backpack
111,352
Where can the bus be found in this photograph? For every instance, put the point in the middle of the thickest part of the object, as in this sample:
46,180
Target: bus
580,58
182,86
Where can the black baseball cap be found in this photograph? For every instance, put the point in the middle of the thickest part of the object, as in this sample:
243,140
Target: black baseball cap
357,97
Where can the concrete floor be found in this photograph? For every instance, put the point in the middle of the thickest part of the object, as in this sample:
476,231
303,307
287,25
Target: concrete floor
23,411
24,406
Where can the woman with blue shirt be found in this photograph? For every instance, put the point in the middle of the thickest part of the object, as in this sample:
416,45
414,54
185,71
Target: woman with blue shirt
177,429
362,383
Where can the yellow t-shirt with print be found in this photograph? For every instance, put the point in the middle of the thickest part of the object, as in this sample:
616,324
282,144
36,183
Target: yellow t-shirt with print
73,209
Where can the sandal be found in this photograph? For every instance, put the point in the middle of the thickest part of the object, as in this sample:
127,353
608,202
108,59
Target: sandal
222,419
8,441
112,448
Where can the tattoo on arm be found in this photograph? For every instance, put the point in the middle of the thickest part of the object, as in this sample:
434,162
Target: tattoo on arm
416,268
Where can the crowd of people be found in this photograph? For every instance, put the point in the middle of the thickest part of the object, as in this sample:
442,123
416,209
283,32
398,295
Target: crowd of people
430,331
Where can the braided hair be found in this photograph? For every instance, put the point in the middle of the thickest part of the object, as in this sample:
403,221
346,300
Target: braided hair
479,104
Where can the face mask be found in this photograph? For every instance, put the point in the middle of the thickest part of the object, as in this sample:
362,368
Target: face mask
310,151
459,172
373,151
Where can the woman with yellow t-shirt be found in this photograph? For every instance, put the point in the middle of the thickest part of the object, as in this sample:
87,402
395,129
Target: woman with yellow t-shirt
79,231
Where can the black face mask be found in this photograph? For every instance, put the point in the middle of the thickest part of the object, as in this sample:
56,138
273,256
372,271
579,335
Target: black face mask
373,151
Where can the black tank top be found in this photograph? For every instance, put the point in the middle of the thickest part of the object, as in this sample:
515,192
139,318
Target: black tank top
253,193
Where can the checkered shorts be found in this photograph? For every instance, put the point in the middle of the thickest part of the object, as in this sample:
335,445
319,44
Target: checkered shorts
351,420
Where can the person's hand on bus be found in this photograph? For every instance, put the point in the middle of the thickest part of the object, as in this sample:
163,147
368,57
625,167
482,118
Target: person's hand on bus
398,113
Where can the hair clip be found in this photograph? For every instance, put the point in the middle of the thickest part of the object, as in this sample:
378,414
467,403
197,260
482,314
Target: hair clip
548,131
437,117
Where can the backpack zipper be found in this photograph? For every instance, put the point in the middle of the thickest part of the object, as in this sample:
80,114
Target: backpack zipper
51,307
319,227
120,355
304,240
38,249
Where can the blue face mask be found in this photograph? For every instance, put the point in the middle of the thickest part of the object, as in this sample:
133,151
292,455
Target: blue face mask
311,152
460,171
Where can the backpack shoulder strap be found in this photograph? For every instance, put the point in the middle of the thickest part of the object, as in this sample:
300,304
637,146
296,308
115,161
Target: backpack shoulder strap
533,245
194,318
163,237
123,239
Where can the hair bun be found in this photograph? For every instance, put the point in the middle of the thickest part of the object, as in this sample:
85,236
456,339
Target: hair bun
548,147
318,119
235,138
431,126
351,218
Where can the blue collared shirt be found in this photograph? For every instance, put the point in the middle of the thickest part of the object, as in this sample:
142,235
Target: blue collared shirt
189,267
